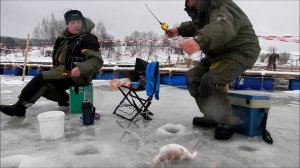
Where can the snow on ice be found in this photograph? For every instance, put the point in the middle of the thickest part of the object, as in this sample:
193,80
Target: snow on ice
115,142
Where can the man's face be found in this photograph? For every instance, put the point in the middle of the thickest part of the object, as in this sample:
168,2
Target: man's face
74,26
192,3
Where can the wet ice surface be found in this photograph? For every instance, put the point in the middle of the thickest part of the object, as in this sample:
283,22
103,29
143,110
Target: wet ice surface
114,142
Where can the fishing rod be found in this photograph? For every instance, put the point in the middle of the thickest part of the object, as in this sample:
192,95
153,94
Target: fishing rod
163,26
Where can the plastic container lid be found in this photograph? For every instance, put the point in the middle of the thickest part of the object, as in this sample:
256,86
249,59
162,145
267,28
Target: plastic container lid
51,115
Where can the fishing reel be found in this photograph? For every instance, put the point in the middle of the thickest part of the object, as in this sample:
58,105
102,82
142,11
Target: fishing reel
164,26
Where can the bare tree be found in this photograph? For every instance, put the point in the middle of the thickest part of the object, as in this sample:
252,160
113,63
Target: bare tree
9,42
272,50
284,57
135,36
100,31
49,29
135,42
102,34
151,36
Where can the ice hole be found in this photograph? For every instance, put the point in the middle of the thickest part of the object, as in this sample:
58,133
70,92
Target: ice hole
172,130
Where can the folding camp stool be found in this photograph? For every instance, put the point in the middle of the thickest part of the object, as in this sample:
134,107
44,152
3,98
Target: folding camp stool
132,104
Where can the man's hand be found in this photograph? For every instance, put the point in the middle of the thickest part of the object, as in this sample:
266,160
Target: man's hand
172,32
75,72
190,46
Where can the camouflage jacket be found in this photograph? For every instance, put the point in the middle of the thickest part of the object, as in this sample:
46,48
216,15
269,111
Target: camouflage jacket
81,50
222,30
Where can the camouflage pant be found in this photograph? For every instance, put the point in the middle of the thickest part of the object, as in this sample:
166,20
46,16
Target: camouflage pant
206,83
52,87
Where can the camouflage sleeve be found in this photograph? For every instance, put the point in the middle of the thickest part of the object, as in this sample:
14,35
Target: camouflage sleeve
220,30
186,29
93,60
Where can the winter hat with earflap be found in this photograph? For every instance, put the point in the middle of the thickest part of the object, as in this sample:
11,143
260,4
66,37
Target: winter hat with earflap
73,15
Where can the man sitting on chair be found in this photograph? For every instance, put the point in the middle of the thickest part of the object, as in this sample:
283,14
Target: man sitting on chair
76,58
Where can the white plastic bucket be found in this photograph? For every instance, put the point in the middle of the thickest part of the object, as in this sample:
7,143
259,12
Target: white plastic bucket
51,124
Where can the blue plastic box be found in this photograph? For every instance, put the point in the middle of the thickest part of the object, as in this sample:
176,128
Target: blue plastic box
32,72
12,71
174,79
294,84
250,108
104,75
253,83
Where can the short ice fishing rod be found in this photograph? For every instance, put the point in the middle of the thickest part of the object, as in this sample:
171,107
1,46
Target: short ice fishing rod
164,26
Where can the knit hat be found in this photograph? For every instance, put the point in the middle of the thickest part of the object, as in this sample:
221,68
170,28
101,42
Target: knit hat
73,15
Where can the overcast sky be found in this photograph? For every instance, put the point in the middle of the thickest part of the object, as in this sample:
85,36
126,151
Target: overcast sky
121,18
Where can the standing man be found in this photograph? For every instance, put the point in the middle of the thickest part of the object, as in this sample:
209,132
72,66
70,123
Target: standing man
272,61
76,58
224,33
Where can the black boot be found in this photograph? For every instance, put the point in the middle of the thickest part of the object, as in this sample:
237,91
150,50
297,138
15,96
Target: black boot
203,122
16,109
266,136
223,132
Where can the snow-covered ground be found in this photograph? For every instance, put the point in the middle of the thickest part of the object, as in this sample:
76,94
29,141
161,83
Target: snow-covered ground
163,55
126,56
114,142
33,56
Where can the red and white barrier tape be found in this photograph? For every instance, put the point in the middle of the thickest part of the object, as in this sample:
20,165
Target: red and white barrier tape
144,41
294,39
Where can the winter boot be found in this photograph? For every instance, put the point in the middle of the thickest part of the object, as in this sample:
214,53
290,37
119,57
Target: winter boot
203,122
266,136
223,132
16,109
